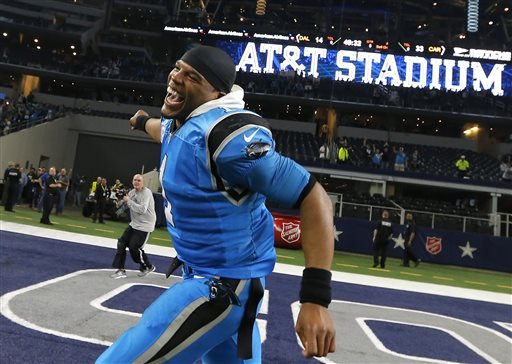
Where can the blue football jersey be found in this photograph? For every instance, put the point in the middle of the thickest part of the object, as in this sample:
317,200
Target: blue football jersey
216,171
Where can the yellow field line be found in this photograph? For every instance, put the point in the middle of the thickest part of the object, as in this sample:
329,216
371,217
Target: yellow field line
347,265
285,256
443,278
160,239
77,226
23,218
105,231
479,283
411,274
379,269
502,286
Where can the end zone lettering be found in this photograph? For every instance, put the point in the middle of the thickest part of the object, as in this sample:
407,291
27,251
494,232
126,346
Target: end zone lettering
372,68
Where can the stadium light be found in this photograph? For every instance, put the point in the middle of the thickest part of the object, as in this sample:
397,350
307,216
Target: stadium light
261,7
471,131
473,16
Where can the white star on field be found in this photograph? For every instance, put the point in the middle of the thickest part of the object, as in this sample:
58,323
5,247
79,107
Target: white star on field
399,241
467,250
337,233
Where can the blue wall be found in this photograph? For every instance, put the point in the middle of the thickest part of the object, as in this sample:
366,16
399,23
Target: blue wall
480,251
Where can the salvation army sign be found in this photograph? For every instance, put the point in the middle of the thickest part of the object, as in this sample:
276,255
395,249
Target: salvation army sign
287,232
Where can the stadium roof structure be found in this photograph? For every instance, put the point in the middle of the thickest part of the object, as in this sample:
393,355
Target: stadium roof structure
428,20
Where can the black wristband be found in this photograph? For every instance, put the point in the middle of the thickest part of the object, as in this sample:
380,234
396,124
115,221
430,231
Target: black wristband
140,122
316,286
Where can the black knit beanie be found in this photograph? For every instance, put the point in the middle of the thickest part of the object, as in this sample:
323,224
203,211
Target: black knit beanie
215,65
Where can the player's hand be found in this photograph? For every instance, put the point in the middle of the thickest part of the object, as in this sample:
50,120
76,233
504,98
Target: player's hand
316,330
134,117
126,198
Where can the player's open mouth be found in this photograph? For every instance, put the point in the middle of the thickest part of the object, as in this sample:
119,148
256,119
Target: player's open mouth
173,98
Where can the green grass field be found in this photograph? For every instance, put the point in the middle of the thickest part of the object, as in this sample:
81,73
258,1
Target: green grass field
73,221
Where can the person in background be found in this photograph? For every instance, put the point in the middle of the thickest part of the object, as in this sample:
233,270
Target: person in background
10,165
343,152
118,186
381,236
92,190
462,166
400,160
12,176
42,183
22,185
506,169
79,186
31,176
324,153
51,186
415,160
376,158
63,179
387,156
409,235
143,219
36,189
367,152
95,184
101,193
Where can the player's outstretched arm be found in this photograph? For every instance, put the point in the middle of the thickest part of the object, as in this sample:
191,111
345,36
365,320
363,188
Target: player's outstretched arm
142,121
314,326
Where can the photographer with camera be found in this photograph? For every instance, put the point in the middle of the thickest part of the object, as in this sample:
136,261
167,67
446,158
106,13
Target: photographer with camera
118,186
141,204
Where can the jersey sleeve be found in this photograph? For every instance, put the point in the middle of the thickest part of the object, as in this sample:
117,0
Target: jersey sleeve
247,158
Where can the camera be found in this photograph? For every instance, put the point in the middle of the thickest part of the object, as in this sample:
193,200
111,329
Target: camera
120,194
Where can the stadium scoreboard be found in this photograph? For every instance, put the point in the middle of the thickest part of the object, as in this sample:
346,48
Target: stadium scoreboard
365,60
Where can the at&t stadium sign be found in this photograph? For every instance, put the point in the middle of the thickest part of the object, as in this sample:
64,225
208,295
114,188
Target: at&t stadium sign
373,68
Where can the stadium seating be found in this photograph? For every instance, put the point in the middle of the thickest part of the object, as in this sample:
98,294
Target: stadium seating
19,114
434,161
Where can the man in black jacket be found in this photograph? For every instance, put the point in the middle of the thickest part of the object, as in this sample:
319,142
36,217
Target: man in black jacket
381,235
51,187
12,179
101,194
410,233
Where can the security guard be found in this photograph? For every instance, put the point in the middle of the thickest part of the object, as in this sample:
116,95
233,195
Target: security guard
381,236
409,235
13,176
462,166
343,156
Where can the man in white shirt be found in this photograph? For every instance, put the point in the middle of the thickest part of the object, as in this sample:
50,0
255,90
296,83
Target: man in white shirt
143,219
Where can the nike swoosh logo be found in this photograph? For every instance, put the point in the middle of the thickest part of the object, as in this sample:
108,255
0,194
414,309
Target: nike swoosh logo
249,138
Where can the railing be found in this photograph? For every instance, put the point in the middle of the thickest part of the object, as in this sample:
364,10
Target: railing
505,223
430,219
25,125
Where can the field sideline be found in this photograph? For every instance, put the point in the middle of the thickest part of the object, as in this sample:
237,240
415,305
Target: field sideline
73,221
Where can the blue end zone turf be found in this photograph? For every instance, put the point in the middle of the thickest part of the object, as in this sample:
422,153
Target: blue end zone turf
28,260
425,342
134,299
